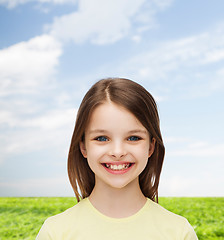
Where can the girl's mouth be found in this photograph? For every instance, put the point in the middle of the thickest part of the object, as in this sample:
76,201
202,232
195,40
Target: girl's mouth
117,168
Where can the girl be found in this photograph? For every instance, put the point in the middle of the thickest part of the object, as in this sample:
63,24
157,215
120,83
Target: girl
114,165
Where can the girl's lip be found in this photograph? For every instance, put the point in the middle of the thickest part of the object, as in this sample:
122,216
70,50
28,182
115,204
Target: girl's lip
117,163
117,172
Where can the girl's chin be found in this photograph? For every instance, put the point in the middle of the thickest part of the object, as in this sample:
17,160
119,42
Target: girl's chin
117,183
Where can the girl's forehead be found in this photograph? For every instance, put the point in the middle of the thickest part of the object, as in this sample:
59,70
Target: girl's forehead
110,115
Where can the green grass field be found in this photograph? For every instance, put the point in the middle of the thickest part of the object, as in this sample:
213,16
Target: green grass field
21,218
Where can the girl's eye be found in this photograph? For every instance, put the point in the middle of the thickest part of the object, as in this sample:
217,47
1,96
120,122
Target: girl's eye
101,139
134,138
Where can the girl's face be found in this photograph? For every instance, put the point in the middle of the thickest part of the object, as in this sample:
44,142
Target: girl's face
117,146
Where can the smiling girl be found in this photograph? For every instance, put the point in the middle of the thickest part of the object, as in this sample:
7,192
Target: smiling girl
114,165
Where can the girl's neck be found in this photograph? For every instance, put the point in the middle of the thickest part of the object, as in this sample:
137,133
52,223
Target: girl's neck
117,203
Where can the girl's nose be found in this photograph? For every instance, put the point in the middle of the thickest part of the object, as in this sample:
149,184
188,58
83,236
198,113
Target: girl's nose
117,150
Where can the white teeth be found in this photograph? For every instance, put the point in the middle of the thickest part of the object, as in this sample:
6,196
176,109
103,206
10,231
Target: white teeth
118,167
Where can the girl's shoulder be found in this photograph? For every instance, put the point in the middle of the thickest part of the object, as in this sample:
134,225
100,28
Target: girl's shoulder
170,220
160,213
68,214
57,226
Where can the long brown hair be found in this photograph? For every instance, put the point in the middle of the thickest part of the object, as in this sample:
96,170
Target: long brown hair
138,101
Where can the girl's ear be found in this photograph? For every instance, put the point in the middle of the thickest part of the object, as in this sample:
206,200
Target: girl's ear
152,146
83,149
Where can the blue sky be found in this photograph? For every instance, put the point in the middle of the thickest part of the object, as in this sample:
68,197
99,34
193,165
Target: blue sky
52,51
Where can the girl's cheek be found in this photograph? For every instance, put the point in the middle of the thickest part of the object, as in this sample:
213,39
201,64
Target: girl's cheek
97,149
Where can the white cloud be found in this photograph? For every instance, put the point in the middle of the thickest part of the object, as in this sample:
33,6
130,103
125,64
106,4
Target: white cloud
47,131
176,186
27,68
15,3
193,148
58,1
217,82
197,186
51,120
162,4
136,38
58,186
176,139
200,150
27,65
100,21
167,57
188,66
103,22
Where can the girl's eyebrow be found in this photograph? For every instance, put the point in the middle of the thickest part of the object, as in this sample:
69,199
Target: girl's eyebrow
138,131
97,131
129,132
